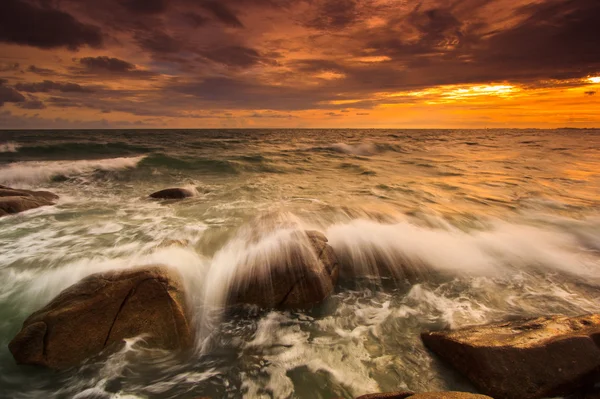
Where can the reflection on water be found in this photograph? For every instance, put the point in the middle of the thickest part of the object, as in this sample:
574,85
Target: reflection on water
432,228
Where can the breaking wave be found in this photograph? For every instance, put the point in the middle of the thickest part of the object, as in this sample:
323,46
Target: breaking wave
33,172
9,147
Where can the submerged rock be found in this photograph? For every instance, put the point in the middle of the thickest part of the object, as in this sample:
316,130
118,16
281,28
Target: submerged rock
173,193
14,201
100,311
531,359
429,395
303,275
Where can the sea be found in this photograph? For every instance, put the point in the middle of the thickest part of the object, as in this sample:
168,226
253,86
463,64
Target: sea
476,226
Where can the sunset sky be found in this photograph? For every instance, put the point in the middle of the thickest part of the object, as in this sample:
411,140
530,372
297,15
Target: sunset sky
299,63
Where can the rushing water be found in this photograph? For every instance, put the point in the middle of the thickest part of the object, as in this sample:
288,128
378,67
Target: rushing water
474,226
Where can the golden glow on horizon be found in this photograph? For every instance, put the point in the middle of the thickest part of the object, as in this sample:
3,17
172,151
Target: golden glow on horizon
594,79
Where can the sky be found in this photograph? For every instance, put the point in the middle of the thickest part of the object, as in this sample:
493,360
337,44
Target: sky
299,63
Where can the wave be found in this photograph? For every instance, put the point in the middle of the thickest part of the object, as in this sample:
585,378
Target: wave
207,165
361,149
76,150
405,250
33,172
9,146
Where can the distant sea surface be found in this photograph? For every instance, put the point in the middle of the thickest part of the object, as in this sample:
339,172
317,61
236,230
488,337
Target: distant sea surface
477,225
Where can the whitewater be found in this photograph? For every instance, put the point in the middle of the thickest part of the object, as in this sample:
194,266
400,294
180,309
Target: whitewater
432,228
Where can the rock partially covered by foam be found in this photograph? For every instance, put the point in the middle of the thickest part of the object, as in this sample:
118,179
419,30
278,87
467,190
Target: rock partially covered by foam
301,275
429,395
102,310
530,359
172,193
14,201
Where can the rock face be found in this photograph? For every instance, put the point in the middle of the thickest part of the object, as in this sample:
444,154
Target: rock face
99,312
531,359
15,201
429,395
304,277
172,193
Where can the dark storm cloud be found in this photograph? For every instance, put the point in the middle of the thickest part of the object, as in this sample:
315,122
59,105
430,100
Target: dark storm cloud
32,104
40,71
9,95
44,27
222,12
106,64
334,14
238,56
110,66
47,86
145,6
158,42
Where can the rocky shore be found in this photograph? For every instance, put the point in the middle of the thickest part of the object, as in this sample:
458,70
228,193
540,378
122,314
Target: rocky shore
536,358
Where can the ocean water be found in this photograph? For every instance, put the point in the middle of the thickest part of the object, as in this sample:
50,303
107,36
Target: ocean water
473,226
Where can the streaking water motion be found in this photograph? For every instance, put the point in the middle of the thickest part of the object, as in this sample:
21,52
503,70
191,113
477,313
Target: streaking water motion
431,229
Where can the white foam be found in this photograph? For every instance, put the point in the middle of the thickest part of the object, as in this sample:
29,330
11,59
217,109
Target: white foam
404,248
356,149
9,146
32,172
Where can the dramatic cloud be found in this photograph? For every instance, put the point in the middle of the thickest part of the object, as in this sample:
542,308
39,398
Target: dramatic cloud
47,86
9,95
305,62
42,26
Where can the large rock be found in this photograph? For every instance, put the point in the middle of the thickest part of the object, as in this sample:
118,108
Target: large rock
100,311
429,395
14,201
301,275
537,358
173,193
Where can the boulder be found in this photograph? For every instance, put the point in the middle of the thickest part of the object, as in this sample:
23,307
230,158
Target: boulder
15,201
101,311
173,193
389,395
527,359
302,275
429,395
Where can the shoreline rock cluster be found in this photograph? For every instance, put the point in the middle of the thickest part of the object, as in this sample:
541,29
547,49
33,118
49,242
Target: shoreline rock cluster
522,359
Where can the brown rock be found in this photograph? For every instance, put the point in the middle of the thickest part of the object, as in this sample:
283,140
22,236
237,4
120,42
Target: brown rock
15,201
301,276
172,193
531,359
429,395
100,311
391,395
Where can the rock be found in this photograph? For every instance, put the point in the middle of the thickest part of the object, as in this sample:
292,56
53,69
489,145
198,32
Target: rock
391,395
173,193
15,201
429,395
100,311
527,359
303,275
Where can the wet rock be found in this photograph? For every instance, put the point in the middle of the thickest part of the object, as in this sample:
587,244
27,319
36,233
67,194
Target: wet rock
527,359
14,201
302,275
389,395
429,395
100,311
173,193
